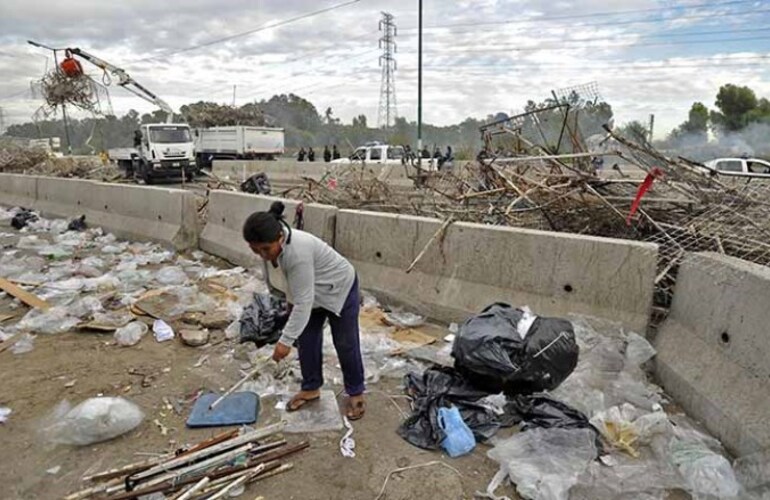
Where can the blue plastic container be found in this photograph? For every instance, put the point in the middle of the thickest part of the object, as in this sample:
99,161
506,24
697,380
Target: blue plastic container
459,438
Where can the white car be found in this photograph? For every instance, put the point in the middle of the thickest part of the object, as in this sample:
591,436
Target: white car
377,154
740,166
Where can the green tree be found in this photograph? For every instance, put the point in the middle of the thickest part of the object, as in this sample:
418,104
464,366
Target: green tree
634,130
734,105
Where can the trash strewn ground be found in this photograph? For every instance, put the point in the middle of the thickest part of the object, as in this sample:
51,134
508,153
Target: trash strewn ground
93,335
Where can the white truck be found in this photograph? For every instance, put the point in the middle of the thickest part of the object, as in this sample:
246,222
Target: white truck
739,167
237,142
164,150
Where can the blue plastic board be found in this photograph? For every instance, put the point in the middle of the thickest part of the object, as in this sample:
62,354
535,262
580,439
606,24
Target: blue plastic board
236,409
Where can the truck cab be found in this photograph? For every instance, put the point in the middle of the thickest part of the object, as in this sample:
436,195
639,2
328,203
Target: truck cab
166,151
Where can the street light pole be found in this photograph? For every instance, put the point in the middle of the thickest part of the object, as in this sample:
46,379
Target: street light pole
419,87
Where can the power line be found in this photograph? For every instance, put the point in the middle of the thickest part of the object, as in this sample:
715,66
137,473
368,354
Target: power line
251,32
586,16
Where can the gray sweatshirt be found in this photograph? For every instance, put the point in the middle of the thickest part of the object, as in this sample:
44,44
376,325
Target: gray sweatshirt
316,276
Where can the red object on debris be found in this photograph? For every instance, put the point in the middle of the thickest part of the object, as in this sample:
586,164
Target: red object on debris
655,173
71,66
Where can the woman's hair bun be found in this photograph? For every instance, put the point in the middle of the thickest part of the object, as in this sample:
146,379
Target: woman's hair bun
277,209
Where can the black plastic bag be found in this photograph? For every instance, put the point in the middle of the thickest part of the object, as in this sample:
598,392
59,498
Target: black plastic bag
22,218
491,354
78,224
257,184
443,387
262,320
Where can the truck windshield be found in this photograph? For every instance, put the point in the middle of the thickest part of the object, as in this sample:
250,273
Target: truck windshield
170,134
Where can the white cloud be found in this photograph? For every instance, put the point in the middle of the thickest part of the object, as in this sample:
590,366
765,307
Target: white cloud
332,59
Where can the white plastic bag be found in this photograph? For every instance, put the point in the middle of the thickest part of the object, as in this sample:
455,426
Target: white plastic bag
131,334
162,331
92,421
545,463
707,474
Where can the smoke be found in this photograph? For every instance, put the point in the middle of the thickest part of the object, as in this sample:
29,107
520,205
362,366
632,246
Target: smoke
753,141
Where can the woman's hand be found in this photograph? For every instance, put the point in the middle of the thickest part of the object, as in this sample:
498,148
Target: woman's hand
280,351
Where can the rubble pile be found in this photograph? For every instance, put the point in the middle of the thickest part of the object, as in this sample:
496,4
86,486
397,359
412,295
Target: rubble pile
37,161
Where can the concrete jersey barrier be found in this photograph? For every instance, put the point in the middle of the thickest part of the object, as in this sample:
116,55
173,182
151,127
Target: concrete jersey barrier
475,265
714,347
167,216
18,190
222,234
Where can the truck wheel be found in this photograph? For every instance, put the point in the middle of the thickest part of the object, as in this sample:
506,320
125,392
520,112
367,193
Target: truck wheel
145,174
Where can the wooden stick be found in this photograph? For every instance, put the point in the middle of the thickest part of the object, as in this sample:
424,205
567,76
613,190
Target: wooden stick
241,480
23,295
242,381
433,238
189,492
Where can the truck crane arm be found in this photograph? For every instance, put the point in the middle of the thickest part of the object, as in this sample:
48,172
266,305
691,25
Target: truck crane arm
125,81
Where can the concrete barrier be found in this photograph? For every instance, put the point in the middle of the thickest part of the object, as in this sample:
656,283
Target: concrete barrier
18,190
227,211
168,216
289,173
476,265
714,347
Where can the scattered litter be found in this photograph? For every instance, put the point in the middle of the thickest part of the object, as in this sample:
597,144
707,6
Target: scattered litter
163,429
53,470
171,276
92,421
77,224
348,443
402,319
24,345
706,473
263,320
23,295
131,334
5,412
318,416
23,218
256,184
412,337
545,463
638,349
450,338
70,384
162,331
201,361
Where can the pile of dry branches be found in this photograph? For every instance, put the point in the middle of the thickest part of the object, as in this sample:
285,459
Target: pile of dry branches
59,89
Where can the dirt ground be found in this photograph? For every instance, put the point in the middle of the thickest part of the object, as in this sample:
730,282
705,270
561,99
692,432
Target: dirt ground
81,364
33,383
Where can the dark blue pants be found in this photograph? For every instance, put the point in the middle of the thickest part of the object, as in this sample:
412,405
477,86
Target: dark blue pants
346,342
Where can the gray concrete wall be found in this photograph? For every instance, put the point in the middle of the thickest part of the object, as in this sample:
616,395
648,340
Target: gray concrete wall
168,216
714,348
476,265
284,174
18,190
228,211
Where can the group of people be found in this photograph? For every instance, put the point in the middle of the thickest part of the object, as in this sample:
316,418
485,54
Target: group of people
309,155
441,160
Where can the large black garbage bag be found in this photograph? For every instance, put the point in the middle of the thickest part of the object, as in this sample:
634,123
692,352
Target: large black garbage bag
491,354
22,218
262,320
257,184
443,387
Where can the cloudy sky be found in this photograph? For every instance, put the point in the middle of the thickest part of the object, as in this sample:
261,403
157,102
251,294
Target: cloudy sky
480,56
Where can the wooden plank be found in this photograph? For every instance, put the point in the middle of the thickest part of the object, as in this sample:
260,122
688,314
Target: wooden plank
28,298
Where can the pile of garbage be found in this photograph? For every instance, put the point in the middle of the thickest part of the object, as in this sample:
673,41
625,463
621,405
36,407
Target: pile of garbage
590,426
16,159
76,277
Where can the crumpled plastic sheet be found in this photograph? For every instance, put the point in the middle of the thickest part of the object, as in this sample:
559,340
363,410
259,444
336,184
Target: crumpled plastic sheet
404,319
24,345
92,421
753,474
131,334
545,463
52,321
706,473
170,275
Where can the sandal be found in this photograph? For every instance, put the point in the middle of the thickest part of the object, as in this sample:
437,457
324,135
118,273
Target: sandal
298,401
355,411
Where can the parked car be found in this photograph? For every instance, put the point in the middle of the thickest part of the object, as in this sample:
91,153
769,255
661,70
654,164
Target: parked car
740,166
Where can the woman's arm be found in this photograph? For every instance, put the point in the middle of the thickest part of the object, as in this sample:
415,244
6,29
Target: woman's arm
301,282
